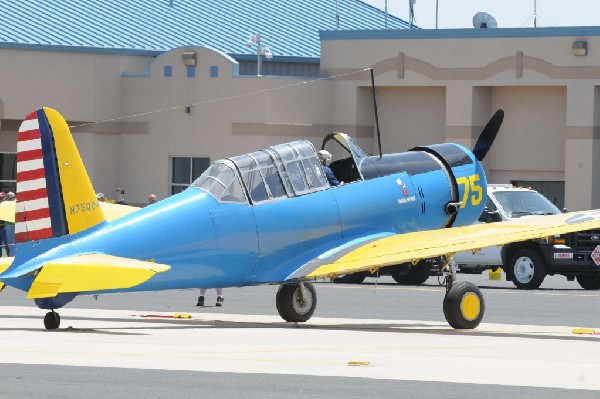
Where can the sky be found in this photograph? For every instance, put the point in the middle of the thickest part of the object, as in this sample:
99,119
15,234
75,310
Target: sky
508,13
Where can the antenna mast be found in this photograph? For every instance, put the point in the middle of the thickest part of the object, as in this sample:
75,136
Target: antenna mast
386,13
411,12
535,13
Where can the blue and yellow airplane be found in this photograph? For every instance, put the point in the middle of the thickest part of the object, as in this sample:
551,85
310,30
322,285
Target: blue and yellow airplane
268,217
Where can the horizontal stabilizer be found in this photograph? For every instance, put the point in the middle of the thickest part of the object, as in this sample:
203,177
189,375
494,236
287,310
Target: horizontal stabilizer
412,247
5,263
93,272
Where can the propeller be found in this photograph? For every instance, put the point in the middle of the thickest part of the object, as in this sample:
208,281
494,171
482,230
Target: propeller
488,135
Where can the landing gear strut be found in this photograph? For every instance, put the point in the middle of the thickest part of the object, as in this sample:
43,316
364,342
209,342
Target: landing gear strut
296,302
463,304
51,320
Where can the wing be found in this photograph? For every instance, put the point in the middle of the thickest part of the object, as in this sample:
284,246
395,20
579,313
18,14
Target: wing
111,211
116,211
412,247
93,272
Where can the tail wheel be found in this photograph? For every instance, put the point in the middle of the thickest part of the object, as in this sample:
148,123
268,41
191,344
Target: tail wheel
295,303
464,306
528,269
589,281
52,320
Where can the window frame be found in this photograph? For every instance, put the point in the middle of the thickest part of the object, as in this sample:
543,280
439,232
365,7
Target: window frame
184,186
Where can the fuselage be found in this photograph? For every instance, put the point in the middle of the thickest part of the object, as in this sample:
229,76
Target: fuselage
212,244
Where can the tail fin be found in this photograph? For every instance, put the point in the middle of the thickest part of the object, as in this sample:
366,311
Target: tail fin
54,194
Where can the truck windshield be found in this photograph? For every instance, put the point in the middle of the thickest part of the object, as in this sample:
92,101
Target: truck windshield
522,203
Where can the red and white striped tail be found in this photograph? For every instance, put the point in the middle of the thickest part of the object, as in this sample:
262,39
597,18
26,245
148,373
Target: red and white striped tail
32,218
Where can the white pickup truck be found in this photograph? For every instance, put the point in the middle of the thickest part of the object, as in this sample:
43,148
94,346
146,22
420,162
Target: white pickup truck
527,263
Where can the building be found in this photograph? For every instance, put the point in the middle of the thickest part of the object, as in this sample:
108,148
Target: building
148,114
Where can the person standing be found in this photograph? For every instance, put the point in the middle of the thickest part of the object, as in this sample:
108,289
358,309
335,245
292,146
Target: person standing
220,297
121,196
4,248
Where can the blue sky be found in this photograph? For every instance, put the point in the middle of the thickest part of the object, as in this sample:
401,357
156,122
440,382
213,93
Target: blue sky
508,13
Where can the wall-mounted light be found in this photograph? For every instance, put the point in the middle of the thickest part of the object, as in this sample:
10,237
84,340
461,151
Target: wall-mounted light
579,48
189,58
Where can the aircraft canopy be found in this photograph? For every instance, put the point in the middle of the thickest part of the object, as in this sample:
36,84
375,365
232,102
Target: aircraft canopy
277,172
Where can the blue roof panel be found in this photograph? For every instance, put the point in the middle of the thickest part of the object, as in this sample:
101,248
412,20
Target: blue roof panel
289,28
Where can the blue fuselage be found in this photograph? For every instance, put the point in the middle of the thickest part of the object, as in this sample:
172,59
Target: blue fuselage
212,244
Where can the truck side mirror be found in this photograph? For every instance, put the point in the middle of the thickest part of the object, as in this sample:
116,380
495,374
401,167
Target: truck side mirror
490,216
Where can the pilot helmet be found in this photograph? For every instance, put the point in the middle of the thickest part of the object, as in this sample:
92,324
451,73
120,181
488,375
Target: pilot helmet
10,195
100,197
325,157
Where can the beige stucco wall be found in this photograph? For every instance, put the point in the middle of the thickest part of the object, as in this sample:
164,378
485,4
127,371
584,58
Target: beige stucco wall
550,98
428,90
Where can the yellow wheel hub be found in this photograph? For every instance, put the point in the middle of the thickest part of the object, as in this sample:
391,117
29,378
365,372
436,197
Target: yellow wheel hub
470,306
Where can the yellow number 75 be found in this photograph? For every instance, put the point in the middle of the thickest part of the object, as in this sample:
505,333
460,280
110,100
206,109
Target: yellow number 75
471,184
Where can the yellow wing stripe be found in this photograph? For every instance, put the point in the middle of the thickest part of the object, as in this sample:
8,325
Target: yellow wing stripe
95,272
427,244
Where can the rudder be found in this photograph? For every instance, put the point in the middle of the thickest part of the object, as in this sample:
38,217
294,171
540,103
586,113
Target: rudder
55,196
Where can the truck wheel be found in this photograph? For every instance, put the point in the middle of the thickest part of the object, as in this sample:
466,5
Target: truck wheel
354,278
589,281
405,274
528,269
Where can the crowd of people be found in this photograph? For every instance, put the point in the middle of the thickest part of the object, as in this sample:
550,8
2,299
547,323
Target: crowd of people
120,198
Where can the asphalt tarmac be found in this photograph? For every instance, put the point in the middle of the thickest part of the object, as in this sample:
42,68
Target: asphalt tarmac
108,347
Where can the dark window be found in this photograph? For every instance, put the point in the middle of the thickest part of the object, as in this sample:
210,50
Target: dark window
184,170
214,71
168,72
8,172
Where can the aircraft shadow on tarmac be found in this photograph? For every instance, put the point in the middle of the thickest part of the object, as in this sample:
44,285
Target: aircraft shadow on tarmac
146,324
440,285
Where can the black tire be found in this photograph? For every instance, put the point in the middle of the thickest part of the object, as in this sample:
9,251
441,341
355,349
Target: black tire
289,305
354,278
51,321
528,269
464,306
406,274
589,281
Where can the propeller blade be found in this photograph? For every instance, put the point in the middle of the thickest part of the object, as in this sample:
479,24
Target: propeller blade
488,135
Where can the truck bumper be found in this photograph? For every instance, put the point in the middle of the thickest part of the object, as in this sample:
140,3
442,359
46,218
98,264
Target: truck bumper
565,260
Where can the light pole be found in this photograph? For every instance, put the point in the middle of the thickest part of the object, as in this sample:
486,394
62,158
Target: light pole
261,50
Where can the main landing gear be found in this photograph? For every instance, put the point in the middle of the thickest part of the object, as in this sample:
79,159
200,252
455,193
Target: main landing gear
52,320
296,302
463,304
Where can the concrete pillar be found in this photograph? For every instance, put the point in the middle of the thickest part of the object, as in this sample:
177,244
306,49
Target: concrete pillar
459,114
582,177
